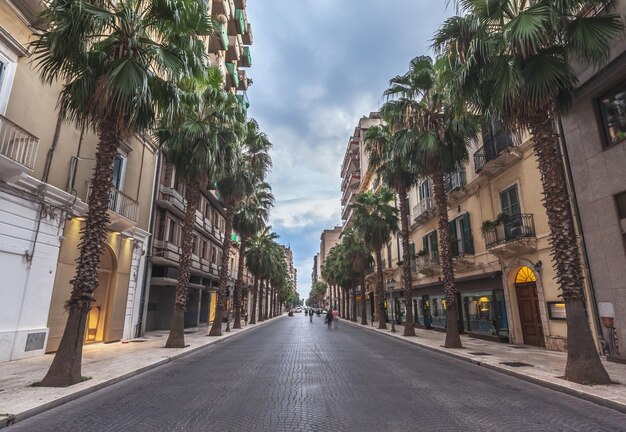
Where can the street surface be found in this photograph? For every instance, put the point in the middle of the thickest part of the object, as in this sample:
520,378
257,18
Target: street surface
291,375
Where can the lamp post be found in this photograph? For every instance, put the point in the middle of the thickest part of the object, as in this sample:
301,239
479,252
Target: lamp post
391,284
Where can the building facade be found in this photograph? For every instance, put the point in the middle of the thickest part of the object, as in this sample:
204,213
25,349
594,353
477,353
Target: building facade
499,233
595,138
45,169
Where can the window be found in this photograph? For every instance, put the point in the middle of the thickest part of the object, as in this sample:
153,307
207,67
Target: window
461,236
613,110
431,247
389,255
8,64
194,245
424,189
509,201
118,172
213,254
203,251
171,232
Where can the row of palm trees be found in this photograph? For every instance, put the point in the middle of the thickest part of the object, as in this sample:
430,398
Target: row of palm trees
139,67
509,60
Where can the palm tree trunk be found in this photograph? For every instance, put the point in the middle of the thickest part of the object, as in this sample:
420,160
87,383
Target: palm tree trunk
267,299
239,284
407,280
363,302
176,338
272,301
453,340
353,318
380,293
252,311
65,369
222,292
583,362
261,295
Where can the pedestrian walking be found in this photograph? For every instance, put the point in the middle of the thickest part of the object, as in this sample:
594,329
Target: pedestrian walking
329,318
311,316
335,318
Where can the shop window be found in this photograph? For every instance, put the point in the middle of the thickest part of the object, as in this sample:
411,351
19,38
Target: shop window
461,239
484,313
438,311
613,115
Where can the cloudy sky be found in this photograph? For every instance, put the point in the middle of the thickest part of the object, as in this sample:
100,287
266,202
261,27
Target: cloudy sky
318,66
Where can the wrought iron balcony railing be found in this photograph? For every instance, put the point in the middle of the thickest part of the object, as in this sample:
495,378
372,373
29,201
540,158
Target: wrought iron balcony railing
492,148
513,228
17,144
454,180
121,204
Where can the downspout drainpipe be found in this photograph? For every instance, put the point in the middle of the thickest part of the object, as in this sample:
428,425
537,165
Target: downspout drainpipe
53,147
579,226
139,331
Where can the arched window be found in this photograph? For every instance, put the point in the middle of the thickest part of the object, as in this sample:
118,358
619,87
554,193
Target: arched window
525,275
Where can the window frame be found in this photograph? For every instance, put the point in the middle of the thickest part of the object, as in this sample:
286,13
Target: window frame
603,119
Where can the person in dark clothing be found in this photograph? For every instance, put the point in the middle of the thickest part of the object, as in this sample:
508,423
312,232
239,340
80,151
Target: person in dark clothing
329,318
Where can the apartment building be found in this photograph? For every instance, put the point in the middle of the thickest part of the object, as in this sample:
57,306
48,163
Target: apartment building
45,167
229,49
595,137
328,239
499,232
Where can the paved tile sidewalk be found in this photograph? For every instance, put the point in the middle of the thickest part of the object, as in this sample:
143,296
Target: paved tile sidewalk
106,364
543,367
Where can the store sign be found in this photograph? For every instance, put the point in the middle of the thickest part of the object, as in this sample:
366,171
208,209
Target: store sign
556,310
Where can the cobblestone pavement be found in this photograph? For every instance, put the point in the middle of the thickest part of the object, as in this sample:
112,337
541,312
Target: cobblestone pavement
294,376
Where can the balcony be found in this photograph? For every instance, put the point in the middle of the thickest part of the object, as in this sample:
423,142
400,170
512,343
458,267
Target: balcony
232,77
498,153
18,150
423,211
512,236
235,48
247,36
246,58
428,264
241,23
219,41
222,7
244,82
455,183
123,210
243,100
240,4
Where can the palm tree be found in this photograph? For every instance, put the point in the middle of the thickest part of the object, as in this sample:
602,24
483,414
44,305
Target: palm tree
441,130
359,256
258,262
388,145
116,60
376,220
319,291
514,61
198,142
250,168
251,215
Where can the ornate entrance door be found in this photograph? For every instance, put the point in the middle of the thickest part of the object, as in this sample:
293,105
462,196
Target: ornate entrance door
528,304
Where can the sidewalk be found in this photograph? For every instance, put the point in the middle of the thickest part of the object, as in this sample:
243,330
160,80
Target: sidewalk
532,364
106,364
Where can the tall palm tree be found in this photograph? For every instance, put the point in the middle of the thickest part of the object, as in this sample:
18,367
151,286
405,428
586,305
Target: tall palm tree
198,142
359,256
514,61
258,262
441,130
249,169
251,215
388,146
376,220
116,60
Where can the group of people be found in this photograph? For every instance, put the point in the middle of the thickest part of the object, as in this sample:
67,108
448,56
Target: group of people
331,318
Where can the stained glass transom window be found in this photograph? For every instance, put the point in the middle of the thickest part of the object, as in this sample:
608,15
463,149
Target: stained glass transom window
525,274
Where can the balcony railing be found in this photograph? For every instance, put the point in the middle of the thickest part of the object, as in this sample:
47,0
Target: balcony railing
455,180
515,227
17,144
492,148
121,204
422,207
428,264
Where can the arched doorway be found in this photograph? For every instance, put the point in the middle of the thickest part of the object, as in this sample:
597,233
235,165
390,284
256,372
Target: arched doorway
528,305
94,329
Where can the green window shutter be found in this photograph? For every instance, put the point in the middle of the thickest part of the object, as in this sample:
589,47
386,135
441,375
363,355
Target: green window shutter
412,250
425,240
454,244
468,241
435,251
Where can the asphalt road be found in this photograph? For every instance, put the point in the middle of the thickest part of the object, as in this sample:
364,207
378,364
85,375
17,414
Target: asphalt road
290,375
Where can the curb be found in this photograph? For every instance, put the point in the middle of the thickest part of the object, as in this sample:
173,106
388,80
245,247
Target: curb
598,400
11,419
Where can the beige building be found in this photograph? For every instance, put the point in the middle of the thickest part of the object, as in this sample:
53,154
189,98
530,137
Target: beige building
45,167
499,232
595,131
328,240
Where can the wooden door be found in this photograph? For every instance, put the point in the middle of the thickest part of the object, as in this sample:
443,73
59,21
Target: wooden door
528,304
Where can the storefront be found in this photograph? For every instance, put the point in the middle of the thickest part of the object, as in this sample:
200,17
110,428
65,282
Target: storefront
481,311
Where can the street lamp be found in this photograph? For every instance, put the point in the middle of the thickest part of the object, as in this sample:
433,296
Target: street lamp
391,284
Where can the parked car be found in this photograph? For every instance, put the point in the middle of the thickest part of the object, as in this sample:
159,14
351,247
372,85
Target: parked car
298,310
